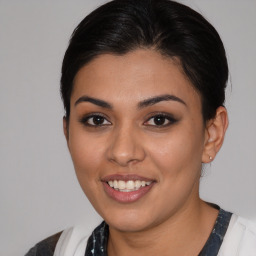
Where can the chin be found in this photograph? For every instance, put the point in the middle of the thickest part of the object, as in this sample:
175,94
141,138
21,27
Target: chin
130,221
128,226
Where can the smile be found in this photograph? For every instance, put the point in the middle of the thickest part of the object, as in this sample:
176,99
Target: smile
128,186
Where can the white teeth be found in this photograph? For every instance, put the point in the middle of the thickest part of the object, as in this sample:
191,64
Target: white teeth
137,184
128,186
121,184
115,184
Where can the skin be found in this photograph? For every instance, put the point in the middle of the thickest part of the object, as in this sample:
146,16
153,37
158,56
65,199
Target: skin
128,141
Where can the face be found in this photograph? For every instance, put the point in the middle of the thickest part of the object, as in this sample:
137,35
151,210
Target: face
136,138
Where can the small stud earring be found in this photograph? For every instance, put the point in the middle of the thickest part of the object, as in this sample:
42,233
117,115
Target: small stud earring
210,157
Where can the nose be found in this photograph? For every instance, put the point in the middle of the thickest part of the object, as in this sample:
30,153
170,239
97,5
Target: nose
125,147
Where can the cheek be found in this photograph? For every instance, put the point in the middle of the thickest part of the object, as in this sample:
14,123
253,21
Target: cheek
177,152
177,159
86,153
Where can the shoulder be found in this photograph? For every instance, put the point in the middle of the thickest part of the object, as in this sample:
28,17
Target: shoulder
65,243
73,241
240,238
46,247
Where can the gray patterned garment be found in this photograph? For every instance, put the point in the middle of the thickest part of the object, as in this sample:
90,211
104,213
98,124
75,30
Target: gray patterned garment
97,242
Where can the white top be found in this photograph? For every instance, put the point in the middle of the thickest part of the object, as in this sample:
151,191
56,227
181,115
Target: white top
72,242
239,240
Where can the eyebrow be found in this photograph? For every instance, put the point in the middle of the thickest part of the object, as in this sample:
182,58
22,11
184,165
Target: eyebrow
157,99
142,104
98,102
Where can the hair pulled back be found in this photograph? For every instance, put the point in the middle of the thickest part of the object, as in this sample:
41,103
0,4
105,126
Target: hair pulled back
173,29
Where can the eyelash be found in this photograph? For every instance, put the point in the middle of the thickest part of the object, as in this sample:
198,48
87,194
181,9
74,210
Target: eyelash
166,117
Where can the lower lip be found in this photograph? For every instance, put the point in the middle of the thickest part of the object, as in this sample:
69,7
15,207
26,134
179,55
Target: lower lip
126,197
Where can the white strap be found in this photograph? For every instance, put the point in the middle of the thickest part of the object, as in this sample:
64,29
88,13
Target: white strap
72,242
240,239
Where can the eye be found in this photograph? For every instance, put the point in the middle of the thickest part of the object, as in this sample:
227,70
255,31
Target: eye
95,120
160,120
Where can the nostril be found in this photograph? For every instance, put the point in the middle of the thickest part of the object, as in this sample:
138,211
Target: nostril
126,155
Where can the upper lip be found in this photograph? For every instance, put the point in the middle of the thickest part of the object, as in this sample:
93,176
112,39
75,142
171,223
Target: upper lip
125,177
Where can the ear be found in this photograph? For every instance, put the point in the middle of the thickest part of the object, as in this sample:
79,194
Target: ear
214,134
65,128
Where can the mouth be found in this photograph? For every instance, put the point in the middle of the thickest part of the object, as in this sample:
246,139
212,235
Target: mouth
127,188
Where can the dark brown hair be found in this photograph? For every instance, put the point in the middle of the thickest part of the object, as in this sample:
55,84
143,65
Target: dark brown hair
171,28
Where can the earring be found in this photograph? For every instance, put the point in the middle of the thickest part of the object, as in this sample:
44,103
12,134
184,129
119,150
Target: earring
210,157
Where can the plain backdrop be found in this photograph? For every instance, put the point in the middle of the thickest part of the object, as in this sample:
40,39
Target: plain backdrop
39,193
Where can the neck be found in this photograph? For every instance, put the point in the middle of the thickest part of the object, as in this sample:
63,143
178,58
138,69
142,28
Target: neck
191,226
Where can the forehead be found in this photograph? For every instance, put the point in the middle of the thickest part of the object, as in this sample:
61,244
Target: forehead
137,75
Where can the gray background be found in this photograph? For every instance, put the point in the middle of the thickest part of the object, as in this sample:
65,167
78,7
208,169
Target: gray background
39,194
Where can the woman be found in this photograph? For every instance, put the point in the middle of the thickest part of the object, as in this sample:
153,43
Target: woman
143,85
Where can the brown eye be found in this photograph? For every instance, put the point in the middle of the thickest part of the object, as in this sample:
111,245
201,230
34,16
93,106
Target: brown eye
160,120
95,120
